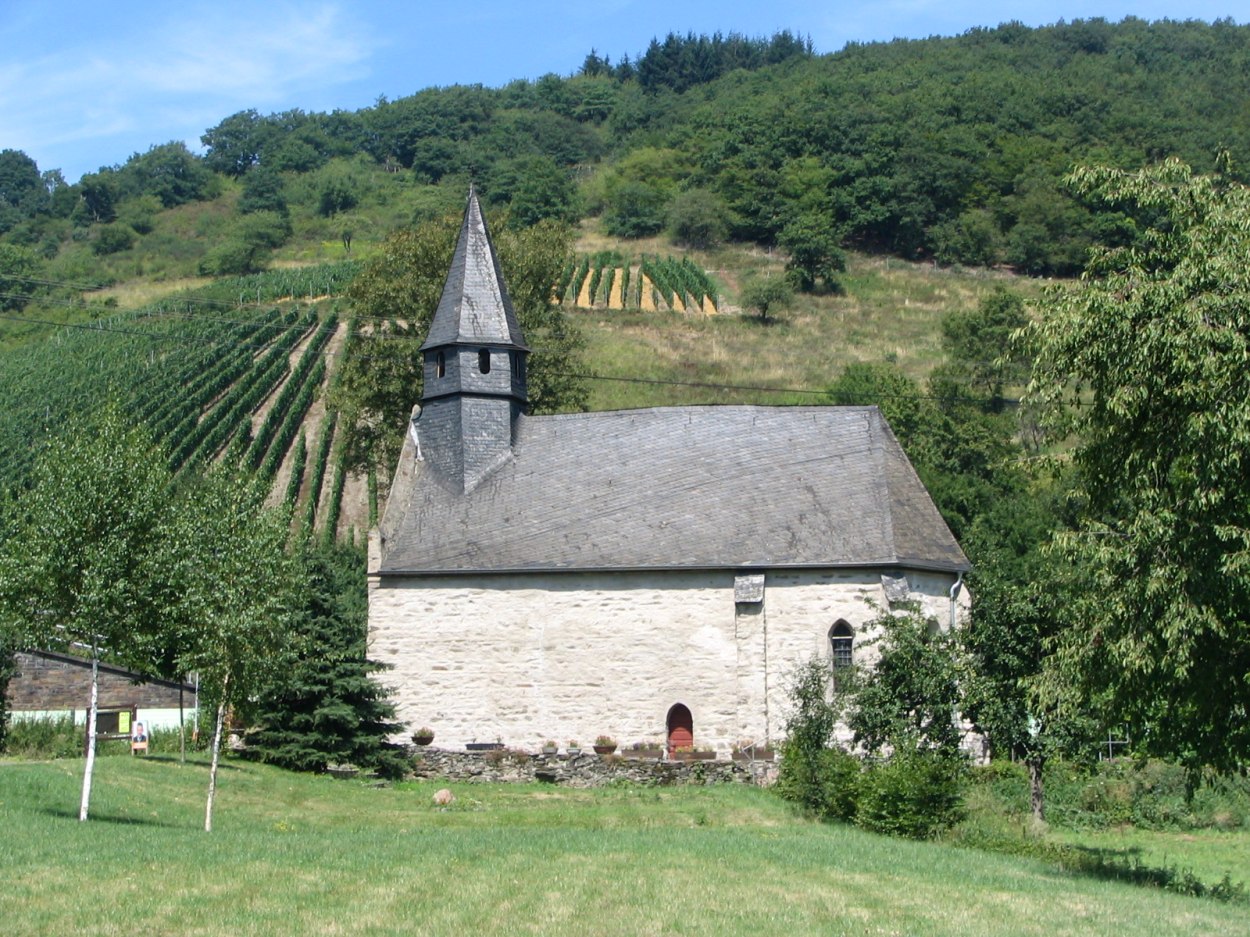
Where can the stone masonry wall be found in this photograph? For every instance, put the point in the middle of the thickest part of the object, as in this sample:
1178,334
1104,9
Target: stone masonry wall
55,682
524,658
585,770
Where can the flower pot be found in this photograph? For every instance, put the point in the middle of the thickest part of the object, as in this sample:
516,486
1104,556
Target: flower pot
422,738
706,755
604,749
758,754
643,754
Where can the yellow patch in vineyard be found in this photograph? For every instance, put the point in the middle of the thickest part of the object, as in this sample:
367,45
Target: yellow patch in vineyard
615,299
646,299
584,300
677,304
709,307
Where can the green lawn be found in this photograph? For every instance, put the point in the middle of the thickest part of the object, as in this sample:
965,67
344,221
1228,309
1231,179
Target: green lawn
298,854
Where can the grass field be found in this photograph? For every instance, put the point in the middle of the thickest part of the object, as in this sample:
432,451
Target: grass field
300,854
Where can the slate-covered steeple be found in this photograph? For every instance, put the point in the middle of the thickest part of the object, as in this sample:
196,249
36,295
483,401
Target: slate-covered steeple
474,368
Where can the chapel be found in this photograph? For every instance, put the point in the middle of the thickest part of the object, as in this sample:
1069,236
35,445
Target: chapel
652,575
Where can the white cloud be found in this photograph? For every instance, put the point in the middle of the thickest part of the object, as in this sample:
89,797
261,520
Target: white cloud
198,65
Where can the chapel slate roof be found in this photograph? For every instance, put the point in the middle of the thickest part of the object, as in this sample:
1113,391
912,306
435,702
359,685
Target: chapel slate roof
475,308
675,487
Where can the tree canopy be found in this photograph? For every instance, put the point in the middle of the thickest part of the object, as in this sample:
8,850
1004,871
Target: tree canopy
1146,365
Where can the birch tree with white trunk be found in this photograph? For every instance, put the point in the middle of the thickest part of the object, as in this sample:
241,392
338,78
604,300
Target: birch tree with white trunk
81,547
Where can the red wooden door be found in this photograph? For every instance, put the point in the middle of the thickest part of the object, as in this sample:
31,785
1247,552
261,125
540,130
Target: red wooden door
680,728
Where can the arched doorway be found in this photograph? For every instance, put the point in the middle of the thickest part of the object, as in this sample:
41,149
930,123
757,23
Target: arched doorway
680,728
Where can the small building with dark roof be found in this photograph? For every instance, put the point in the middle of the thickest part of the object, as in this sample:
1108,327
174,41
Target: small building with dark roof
652,575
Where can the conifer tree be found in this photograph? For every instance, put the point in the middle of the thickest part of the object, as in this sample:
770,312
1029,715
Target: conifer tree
321,705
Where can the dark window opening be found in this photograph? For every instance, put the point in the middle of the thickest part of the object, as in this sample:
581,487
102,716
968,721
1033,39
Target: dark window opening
483,361
440,365
841,644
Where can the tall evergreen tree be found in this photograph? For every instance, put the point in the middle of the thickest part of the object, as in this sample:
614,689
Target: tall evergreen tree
321,705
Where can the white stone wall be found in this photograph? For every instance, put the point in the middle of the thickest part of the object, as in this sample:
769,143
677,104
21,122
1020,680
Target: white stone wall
523,658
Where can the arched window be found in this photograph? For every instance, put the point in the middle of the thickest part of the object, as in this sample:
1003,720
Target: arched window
841,645
483,361
440,365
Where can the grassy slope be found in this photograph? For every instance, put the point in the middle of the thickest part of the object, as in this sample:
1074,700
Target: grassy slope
301,854
888,310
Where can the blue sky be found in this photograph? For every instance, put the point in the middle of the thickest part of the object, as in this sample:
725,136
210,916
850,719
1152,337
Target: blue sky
85,84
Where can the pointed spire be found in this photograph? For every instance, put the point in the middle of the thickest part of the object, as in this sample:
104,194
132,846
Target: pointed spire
474,308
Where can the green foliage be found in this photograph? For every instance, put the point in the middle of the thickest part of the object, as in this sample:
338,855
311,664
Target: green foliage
84,546
535,189
298,462
909,699
21,186
337,193
809,735
8,667
917,792
171,173
61,737
636,210
980,342
112,238
320,705
57,737
815,258
263,190
698,218
229,598
1145,364
234,145
681,62
17,266
764,296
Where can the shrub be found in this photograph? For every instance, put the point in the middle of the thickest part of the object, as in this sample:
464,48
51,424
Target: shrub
914,793
61,737
807,756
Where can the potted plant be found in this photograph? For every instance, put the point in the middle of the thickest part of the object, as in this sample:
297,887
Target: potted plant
550,747
690,753
748,750
605,745
423,736
644,750
574,747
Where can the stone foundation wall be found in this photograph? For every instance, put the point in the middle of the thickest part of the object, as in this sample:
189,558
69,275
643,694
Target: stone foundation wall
585,770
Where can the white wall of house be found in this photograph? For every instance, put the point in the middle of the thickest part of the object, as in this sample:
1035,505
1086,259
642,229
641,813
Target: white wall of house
528,657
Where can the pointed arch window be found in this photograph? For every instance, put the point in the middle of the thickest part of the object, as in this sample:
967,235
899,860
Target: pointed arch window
440,365
841,645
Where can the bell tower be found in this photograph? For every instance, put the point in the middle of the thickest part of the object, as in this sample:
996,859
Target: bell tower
474,364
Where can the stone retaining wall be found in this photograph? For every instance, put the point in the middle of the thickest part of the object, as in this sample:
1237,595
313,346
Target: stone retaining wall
584,770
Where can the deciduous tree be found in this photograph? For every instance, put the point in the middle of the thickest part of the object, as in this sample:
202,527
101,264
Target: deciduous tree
83,548
233,588
1146,365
